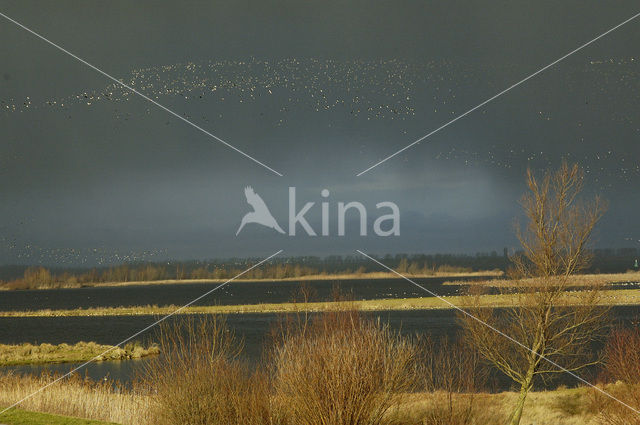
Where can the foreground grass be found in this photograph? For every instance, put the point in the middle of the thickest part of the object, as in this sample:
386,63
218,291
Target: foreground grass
560,407
82,351
22,417
613,297
77,398
73,396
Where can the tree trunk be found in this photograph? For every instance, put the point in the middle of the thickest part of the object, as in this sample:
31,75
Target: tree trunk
517,413
525,387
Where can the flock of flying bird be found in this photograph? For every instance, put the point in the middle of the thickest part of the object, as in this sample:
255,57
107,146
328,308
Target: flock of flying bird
388,91
395,91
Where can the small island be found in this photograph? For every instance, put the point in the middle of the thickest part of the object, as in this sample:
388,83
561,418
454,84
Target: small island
21,354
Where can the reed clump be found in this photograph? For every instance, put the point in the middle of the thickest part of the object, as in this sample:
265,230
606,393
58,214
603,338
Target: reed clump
82,351
75,396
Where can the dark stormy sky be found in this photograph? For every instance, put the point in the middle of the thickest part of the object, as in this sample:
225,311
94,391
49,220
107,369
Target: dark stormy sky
90,173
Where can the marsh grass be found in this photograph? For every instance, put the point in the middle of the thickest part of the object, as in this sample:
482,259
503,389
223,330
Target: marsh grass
82,351
74,396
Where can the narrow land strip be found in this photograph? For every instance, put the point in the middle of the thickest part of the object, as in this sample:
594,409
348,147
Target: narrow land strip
582,280
612,297
312,277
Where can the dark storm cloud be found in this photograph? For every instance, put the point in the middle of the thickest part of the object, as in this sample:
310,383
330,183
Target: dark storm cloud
318,91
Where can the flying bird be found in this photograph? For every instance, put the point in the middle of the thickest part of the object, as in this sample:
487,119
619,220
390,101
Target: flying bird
260,213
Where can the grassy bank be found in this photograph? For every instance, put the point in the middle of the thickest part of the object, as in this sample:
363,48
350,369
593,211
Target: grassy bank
310,277
62,353
323,276
575,280
609,297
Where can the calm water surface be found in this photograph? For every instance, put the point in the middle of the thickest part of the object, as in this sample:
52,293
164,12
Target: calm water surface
233,293
252,328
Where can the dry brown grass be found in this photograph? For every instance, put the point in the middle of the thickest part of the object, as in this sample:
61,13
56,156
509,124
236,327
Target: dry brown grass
446,408
100,402
611,411
561,407
75,396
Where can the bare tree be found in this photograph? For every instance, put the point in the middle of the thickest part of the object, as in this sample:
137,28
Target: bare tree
554,242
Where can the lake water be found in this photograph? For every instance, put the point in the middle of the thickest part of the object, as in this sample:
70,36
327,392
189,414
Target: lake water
252,328
233,293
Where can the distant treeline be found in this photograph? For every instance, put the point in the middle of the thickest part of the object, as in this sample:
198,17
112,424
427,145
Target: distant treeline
22,277
615,260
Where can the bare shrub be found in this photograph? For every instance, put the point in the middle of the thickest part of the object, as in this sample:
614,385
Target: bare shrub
342,368
622,355
452,366
453,375
459,409
199,380
622,366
